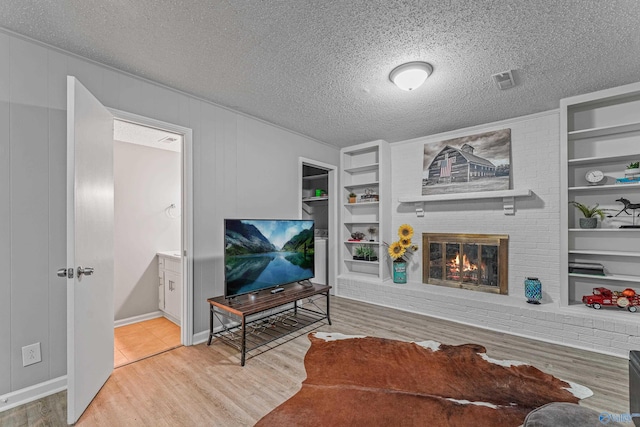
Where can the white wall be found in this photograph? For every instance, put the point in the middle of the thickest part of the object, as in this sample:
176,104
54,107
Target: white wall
146,181
243,167
534,247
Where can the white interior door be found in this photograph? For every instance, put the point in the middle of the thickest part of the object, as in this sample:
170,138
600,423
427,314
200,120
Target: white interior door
89,245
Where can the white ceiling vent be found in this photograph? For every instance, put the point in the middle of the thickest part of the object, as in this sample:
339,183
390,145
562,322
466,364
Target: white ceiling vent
168,139
504,80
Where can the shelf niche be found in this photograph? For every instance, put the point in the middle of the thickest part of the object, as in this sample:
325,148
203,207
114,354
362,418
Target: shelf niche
365,167
598,130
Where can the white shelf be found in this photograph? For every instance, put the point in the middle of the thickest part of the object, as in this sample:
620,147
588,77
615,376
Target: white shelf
604,253
362,204
603,159
603,131
609,277
314,177
362,223
603,187
466,196
358,261
316,199
360,169
608,230
362,242
363,185
507,196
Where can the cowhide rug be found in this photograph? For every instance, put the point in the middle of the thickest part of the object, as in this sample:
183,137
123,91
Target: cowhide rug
366,381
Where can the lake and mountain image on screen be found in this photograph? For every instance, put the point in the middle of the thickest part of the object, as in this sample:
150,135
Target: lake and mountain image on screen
262,254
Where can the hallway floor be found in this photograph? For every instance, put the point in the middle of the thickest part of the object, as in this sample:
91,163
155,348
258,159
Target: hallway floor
140,340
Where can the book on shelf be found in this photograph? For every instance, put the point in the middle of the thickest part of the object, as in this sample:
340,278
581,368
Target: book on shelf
593,268
587,265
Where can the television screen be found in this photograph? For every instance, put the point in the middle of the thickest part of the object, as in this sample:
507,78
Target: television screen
261,254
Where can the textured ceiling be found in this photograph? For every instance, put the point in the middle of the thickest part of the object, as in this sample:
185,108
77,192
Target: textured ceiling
320,67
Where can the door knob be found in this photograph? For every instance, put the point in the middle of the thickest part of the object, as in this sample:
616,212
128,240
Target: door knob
65,272
86,271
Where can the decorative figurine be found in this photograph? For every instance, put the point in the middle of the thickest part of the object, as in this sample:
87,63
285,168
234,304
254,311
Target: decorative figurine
372,232
628,299
628,205
357,236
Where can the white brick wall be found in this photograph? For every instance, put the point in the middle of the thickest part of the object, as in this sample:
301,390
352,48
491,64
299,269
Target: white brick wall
534,247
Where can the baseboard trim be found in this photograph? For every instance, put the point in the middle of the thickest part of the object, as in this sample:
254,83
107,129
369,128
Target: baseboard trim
31,393
136,319
171,318
200,337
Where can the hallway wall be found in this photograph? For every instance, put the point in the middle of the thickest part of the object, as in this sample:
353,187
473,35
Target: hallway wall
242,167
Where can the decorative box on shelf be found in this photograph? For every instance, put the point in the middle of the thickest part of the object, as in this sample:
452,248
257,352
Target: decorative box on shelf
628,180
369,198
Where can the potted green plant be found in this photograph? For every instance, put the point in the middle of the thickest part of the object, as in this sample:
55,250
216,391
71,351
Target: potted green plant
352,197
590,213
632,169
369,254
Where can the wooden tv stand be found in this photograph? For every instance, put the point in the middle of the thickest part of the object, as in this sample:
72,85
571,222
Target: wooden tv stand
253,320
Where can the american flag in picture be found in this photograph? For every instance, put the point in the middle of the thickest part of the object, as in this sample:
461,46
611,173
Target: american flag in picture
446,165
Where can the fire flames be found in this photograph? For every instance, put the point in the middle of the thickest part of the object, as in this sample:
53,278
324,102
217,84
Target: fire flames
468,268
466,265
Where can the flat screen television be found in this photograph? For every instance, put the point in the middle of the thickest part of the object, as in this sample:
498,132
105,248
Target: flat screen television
266,253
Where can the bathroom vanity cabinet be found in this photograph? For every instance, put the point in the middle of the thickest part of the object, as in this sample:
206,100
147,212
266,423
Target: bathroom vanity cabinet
170,284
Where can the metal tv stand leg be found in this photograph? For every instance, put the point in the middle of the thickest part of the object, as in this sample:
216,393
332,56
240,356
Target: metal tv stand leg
210,324
243,349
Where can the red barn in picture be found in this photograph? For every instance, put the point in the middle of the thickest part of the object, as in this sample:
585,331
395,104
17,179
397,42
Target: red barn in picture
459,165
480,162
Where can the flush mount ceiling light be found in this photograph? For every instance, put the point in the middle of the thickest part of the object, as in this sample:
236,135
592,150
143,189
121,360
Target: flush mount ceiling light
410,75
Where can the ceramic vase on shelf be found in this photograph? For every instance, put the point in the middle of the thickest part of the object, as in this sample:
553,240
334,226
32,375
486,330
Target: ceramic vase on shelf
399,271
533,290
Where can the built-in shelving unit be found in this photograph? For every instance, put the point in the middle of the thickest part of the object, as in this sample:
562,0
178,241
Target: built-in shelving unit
365,168
599,131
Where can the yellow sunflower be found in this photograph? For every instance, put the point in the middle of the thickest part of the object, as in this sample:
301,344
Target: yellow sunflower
405,242
405,231
396,250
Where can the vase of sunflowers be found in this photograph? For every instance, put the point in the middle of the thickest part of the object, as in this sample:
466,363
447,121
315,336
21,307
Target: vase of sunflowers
399,251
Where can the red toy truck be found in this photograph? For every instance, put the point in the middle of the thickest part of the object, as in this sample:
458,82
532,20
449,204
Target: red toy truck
602,296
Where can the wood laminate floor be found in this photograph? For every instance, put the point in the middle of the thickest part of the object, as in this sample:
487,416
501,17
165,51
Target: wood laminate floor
143,339
206,386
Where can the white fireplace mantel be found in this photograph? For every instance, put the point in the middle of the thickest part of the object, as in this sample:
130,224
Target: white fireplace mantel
508,199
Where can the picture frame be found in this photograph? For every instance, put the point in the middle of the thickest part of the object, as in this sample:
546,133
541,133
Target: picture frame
474,163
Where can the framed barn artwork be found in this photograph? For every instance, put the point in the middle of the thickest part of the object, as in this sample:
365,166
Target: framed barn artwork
480,162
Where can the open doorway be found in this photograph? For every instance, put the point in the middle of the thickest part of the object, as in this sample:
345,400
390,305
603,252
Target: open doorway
148,240
318,190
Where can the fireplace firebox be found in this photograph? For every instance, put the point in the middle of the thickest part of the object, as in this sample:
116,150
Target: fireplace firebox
469,261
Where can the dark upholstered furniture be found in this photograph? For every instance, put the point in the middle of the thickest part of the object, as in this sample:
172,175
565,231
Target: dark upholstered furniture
564,414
